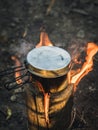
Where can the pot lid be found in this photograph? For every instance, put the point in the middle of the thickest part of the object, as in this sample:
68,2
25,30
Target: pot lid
48,61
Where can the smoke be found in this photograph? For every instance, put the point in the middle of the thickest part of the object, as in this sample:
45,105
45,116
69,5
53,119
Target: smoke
21,48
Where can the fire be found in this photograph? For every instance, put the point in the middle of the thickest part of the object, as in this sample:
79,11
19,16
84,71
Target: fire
74,76
92,49
44,40
17,73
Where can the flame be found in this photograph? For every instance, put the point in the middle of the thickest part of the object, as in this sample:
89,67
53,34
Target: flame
92,49
17,73
74,76
44,40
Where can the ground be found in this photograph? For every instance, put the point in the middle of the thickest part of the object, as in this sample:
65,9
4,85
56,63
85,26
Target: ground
70,25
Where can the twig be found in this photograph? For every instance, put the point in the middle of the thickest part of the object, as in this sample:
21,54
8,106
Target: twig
50,7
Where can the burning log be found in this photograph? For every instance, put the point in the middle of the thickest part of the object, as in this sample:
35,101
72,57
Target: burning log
55,113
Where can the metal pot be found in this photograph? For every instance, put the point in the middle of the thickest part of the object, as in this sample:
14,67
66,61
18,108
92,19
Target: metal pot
48,61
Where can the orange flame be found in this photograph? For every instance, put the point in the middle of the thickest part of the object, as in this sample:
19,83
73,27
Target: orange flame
17,74
92,49
73,78
44,40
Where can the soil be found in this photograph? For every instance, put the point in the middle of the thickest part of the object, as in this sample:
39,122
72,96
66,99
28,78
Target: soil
70,25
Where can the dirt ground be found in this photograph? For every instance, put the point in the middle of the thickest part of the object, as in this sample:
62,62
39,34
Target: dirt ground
70,25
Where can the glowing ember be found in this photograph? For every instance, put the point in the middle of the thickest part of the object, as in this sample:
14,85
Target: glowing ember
46,101
44,40
17,73
92,49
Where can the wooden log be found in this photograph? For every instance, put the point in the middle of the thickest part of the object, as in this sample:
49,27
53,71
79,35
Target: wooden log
60,104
